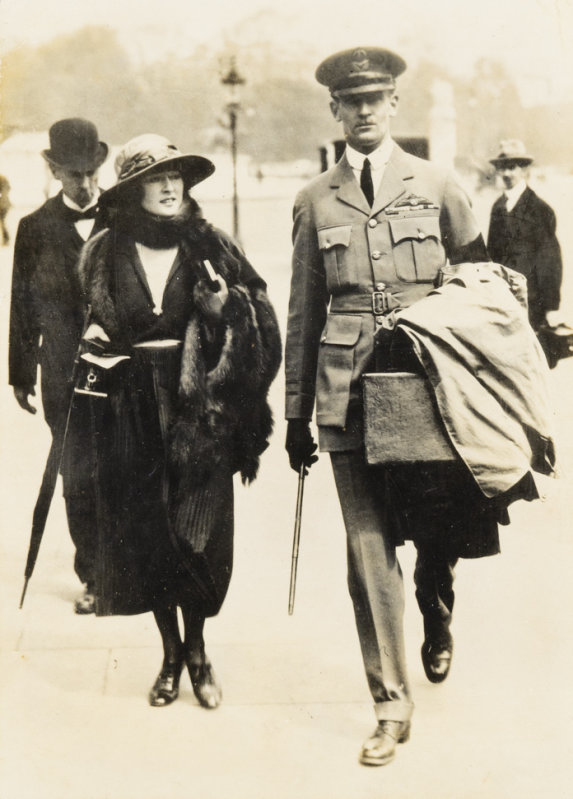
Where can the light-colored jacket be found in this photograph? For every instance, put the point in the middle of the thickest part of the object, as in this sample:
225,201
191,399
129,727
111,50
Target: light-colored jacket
493,394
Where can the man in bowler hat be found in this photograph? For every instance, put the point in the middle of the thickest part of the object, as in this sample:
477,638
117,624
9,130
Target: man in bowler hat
522,234
370,237
47,314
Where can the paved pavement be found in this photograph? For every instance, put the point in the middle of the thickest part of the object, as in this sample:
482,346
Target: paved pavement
75,719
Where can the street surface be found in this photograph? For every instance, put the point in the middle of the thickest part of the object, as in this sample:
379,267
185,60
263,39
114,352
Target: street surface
73,690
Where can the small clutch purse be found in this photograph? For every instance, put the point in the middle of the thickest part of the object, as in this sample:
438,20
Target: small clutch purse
95,373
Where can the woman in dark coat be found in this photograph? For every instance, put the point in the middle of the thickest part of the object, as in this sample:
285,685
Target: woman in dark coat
184,359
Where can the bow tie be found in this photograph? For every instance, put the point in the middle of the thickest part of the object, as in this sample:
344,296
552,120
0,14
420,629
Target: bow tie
76,216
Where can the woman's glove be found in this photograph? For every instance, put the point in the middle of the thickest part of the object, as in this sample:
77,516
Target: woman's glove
95,338
209,302
300,445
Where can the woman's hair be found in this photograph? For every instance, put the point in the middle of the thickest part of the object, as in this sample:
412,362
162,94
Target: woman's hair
133,194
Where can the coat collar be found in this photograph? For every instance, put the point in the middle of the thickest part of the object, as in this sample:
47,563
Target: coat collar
392,186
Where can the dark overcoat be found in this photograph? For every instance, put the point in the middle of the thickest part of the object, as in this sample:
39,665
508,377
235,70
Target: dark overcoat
524,239
178,420
47,307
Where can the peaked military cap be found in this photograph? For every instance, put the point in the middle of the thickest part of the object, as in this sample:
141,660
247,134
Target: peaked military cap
360,69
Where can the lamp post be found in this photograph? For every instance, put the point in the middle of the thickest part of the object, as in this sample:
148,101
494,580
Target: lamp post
233,80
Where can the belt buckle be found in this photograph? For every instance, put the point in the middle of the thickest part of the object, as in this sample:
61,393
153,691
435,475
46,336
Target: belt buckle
379,302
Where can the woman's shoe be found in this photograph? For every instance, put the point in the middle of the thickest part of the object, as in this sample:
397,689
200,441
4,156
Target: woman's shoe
166,687
205,685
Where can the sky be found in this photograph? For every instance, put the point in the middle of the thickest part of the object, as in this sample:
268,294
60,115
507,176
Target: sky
532,37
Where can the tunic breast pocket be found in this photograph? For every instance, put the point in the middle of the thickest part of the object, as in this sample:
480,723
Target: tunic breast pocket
334,245
417,248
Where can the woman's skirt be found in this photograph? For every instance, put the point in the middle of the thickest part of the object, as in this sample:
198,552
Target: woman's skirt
157,544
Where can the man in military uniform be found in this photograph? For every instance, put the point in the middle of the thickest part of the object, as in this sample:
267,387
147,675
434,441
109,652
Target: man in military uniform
522,234
47,312
370,237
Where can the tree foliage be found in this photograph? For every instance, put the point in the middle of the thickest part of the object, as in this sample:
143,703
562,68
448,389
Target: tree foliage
284,114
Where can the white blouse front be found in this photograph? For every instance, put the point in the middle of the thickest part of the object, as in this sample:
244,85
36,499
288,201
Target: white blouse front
157,265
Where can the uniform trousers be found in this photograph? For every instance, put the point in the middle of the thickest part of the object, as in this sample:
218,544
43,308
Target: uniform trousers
375,583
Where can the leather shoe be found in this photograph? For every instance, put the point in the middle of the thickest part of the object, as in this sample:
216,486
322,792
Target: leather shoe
437,658
380,748
85,603
205,685
165,689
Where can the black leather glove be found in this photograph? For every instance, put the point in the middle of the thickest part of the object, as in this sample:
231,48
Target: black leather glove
300,445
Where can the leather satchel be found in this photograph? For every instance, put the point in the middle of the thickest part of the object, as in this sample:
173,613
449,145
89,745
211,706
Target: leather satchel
401,420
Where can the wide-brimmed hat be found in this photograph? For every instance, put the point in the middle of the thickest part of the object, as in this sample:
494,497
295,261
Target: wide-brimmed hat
511,151
75,145
359,70
149,152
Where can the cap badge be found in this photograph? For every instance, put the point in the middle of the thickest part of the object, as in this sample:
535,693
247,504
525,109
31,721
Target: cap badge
360,62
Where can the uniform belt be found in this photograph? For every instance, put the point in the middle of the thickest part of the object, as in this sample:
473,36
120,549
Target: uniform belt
375,302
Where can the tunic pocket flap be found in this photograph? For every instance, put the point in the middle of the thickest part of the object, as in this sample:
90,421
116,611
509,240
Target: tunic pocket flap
332,236
342,330
421,227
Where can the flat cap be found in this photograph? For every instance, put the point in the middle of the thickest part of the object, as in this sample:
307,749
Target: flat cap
360,69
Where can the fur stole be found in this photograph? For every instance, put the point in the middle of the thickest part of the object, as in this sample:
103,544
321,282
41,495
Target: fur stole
222,416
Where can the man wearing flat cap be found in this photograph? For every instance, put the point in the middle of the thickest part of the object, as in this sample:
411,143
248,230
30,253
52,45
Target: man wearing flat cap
522,234
47,312
370,238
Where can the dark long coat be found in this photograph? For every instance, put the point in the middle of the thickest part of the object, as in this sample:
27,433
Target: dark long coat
47,308
177,422
524,239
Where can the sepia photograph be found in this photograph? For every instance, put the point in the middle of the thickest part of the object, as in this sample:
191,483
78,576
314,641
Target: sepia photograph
286,419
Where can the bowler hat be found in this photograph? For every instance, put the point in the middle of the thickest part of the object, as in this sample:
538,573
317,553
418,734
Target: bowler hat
75,145
360,69
149,152
511,151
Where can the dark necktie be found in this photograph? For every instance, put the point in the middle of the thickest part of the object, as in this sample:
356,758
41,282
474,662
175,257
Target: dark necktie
366,182
503,204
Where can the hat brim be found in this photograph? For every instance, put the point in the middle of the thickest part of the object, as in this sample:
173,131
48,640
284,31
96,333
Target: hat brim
194,169
79,164
518,161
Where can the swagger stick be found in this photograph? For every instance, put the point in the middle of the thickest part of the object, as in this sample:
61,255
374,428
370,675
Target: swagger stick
296,538
50,477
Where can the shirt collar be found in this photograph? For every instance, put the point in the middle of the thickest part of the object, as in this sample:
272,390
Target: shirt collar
515,193
378,158
75,207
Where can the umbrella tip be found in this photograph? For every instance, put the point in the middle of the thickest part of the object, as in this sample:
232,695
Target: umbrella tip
23,593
